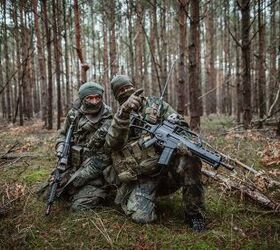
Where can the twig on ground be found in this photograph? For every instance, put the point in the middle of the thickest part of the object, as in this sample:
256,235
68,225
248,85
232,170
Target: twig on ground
120,230
102,229
250,191
11,149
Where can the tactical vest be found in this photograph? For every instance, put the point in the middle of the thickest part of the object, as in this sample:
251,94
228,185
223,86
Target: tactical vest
132,160
88,137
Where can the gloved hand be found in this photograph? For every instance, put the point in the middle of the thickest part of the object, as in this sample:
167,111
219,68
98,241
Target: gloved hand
183,150
133,103
59,149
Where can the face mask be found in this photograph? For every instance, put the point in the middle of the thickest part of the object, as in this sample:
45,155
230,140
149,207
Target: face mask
124,96
91,108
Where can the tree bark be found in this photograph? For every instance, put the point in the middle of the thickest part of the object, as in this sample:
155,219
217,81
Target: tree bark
162,50
239,97
49,60
57,58
211,99
181,87
153,33
7,68
261,62
66,58
41,62
113,43
105,60
194,67
139,45
272,53
246,68
84,66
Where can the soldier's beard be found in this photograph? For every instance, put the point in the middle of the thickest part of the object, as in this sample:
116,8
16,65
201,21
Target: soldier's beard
124,96
91,108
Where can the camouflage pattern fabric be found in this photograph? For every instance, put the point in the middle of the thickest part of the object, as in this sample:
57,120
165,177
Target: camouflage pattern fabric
83,183
137,195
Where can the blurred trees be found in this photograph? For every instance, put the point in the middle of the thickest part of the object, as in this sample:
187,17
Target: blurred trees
226,55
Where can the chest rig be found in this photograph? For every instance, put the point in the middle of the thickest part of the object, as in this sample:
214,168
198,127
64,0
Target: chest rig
88,138
134,161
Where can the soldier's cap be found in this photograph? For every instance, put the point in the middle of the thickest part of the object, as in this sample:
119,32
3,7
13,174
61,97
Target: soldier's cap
119,81
90,88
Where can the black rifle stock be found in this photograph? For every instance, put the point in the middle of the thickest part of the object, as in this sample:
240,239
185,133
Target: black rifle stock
61,166
166,135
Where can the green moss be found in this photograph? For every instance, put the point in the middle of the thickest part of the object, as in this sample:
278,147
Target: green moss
36,176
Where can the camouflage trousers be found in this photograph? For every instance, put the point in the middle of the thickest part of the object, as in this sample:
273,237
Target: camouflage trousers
138,199
86,188
89,196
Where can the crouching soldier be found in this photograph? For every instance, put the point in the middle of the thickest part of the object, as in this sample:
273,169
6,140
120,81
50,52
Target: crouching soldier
82,180
143,179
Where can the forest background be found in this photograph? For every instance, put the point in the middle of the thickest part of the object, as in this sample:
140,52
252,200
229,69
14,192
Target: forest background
225,55
221,59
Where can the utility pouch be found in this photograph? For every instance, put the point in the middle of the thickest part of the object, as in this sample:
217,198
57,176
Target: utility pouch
87,153
125,165
151,114
133,161
76,156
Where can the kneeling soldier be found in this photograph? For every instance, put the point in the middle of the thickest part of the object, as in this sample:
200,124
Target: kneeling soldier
143,179
82,180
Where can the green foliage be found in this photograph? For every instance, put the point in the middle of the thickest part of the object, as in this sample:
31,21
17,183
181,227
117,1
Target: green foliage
36,176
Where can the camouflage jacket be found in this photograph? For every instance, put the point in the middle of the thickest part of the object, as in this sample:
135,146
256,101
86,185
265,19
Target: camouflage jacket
89,130
88,155
129,160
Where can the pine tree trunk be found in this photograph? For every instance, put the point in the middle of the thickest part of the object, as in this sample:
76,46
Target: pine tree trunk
272,51
194,67
181,88
246,68
49,62
211,99
130,39
153,32
162,50
113,43
66,58
84,67
3,106
7,68
57,58
139,45
261,62
239,97
105,60
41,62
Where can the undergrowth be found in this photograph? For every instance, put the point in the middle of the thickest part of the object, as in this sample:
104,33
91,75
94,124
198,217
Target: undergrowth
234,222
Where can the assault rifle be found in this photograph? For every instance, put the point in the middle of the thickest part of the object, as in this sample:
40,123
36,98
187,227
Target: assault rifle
169,136
61,167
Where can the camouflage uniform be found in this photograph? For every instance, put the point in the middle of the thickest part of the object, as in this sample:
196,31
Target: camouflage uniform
83,181
143,180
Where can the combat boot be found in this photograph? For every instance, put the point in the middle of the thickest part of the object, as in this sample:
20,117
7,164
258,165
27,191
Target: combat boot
196,222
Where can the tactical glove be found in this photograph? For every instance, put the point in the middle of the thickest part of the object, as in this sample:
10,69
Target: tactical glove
133,103
183,150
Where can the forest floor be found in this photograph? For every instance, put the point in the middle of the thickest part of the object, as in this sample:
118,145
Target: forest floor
234,222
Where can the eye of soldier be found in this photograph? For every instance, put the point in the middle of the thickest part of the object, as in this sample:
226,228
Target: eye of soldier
93,98
124,89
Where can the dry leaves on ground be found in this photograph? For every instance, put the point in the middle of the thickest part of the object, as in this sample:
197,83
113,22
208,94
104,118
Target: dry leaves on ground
271,154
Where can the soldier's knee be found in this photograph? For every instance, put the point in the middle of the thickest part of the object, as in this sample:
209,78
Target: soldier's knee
143,217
